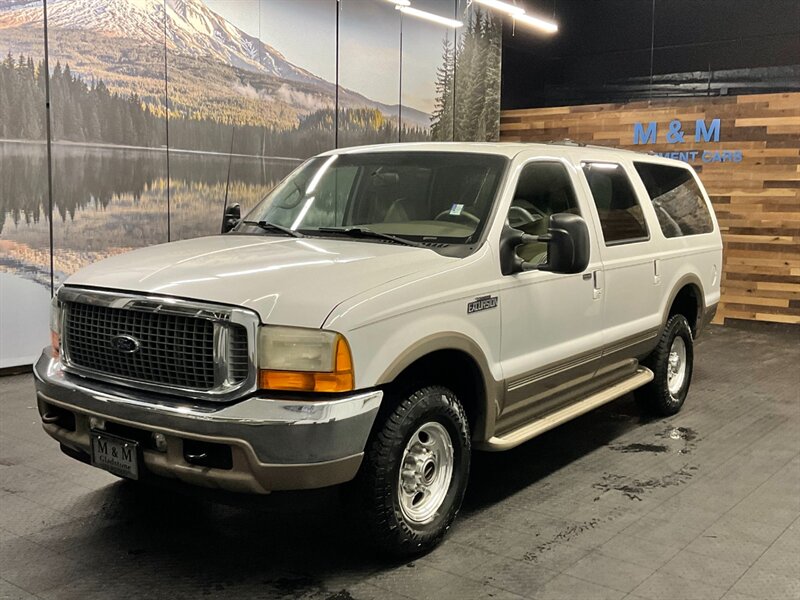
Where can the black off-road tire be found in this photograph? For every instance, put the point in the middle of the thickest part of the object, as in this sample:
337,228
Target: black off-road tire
656,397
376,488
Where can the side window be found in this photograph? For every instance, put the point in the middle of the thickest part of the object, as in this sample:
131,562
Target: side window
677,199
620,213
543,189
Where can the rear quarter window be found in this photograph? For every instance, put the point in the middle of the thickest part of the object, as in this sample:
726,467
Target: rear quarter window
677,200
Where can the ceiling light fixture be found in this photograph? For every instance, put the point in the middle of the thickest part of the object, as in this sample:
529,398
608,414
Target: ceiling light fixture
546,26
400,2
502,6
407,10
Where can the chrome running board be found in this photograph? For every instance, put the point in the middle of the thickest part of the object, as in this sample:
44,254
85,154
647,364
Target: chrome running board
516,437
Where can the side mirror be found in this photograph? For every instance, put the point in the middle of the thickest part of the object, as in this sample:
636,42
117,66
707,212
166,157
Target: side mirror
232,216
567,246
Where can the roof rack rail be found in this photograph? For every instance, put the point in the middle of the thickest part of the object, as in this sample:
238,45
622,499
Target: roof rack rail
566,142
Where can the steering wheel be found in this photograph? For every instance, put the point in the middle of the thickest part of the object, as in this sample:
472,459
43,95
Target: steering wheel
466,215
525,215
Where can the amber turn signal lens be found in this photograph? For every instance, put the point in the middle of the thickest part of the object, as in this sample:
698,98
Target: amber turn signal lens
341,379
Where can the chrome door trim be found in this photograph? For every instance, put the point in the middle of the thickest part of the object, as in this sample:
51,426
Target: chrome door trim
553,369
631,341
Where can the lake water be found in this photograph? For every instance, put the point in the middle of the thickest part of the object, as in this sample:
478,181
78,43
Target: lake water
109,200
105,201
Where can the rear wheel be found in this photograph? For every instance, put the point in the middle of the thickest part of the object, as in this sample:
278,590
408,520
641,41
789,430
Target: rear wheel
672,365
415,472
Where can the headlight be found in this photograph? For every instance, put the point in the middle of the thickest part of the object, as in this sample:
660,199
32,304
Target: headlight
308,360
55,326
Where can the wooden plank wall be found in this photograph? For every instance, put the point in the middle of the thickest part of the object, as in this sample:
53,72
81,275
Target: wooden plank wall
757,200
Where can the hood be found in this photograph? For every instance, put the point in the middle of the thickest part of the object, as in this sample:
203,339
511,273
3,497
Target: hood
287,281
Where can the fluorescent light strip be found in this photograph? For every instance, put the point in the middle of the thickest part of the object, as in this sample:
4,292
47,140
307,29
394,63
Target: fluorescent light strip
502,6
312,185
400,2
429,16
547,26
302,214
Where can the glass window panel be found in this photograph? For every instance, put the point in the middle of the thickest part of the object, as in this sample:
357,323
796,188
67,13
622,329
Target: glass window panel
428,70
25,252
543,189
369,72
618,208
677,199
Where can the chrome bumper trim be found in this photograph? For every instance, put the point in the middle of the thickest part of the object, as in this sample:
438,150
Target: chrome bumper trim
278,431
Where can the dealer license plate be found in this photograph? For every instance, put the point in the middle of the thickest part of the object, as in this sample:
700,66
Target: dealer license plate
116,455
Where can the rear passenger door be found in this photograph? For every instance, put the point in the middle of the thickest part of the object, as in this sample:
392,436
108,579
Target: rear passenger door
631,279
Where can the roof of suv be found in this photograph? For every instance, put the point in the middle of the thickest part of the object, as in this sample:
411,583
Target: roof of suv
565,148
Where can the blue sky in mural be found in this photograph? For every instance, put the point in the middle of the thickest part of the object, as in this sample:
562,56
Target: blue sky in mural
422,53
304,32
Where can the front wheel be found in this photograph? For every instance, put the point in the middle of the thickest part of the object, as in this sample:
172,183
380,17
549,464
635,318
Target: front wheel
415,472
672,363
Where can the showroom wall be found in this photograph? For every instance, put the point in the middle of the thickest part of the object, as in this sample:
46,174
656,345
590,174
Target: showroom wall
160,109
714,83
747,151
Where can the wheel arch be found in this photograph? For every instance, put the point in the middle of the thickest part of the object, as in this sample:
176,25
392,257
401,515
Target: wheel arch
457,362
687,298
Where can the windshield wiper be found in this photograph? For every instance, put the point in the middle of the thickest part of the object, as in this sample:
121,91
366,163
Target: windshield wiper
360,232
267,226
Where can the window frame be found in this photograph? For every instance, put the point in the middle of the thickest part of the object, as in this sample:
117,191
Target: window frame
622,169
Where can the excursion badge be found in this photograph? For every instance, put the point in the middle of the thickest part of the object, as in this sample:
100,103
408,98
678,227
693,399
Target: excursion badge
482,303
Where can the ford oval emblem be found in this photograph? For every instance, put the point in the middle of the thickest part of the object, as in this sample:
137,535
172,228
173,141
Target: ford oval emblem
125,343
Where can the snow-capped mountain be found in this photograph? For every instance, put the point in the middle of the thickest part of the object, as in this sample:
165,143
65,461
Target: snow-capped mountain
191,28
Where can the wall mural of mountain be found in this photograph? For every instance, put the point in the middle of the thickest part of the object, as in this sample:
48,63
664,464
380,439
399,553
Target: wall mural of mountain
216,72
162,110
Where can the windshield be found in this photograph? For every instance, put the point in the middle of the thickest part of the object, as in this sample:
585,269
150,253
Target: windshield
442,197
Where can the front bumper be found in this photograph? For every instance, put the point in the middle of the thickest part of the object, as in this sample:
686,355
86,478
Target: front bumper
274,444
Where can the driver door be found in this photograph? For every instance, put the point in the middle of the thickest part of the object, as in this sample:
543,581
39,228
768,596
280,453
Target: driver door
552,336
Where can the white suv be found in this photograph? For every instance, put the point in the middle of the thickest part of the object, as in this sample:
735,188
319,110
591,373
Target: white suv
380,314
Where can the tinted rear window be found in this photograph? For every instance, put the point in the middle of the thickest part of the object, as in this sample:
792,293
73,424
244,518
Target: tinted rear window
677,199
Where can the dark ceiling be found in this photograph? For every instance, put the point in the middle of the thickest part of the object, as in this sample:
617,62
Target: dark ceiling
603,50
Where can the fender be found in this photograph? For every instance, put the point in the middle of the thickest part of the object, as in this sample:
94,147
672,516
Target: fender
493,390
688,279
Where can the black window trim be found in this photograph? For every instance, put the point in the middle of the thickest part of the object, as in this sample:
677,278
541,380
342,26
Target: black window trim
612,243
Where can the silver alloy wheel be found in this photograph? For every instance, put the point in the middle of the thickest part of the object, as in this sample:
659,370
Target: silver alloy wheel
426,471
676,366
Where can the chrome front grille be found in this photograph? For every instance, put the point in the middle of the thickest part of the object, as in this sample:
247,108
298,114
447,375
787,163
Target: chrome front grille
175,347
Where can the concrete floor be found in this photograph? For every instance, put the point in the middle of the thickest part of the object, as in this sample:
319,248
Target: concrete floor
614,505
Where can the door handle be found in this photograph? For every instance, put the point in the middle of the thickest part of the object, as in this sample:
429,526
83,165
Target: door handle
597,284
656,271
